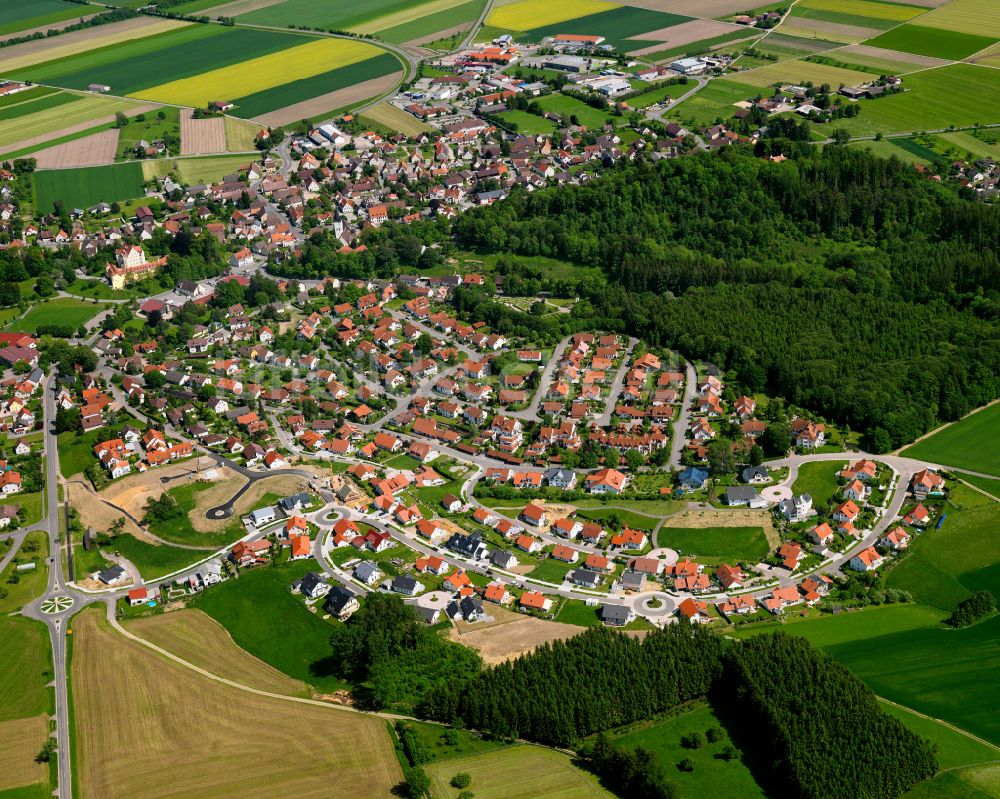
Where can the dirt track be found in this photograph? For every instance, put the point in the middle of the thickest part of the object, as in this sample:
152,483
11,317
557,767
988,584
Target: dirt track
96,150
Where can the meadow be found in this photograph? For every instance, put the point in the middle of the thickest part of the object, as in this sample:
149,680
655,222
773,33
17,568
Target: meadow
714,101
966,16
155,560
59,311
25,668
143,721
262,616
894,12
968,444
395,119
31,584
818,480
960,95
713,545
529,123
936,42
800,72
568,107
431,23
202,169
22,15
198,638
712,776
516,772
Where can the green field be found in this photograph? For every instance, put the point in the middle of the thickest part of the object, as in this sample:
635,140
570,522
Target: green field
59,311
25,668
658,95
712,776
26,96
21,15
713,101
946,565
703,45
149,130
262,616
262,102
139,64
568,107
934,42
202,169
970,443
962,95
37,791
712,545
433,23
529,123
30,584
516,772
803,13
180,531
46,101
26,128
818,480
990,486
76,453
87,186
329,14
152,561
621,27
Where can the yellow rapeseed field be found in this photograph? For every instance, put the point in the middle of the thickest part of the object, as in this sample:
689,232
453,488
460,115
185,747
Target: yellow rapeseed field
265,72
526,15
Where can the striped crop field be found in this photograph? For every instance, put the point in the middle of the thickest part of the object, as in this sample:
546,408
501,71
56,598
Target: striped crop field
83,109
262,73
405,15
966,16
894,12
22,15
526,15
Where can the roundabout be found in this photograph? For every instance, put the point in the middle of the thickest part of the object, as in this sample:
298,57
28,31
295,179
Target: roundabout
54,605
776,493
654,605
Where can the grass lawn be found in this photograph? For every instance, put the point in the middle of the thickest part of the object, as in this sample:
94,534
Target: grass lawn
516,772
579,613
657,95
712,545
98,289
59,311
30,584
945,566
568,107
636,521
988,485
714,101
712,776
150,129
954,750
523,122
818,480
76,453
967,444
37,791
154,561
25,668
263,617
180,531
551,570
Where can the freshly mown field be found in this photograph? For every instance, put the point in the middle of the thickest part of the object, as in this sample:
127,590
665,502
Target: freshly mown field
262,617
894,12
516,772
204,169
25,668
42,103
20,741
387,115
936,42
26,96
968,444
712,776
962,95
966,16
22,15
799,72
198,638
528,123
713,545
144,722
59,310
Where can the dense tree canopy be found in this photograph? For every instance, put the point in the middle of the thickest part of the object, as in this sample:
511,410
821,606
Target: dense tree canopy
844,282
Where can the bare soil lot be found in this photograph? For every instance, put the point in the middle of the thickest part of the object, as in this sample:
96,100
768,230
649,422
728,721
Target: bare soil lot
148,726
96,150
20,741
510,634
202,136
332,101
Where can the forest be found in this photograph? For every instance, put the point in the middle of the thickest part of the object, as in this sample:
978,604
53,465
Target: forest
818,728
846,283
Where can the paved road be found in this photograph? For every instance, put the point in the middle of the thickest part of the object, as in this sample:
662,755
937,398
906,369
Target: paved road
679,440
604,420
544,381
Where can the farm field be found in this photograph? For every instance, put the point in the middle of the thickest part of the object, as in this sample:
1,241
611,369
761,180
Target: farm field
143,721
240,135
432,25
204,169
396,119
712,776
968,444
923,40
198,638
713,545
34,104
933,101
530,14
891,11
69,44
990,486
59,310
568,107
97,149
202,136
714,101
736,38
516,772
84,187
529,123
37,128
877,59
22,15
20,741
965,16
890,148
800,71
261,616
